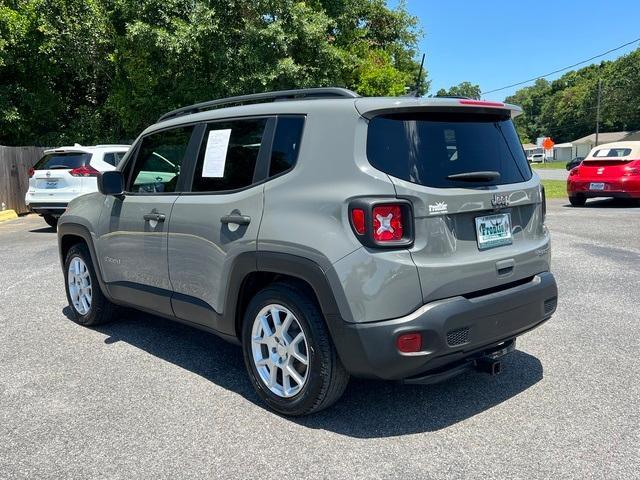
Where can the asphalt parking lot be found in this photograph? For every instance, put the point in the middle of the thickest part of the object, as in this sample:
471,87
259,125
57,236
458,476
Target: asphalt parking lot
147,398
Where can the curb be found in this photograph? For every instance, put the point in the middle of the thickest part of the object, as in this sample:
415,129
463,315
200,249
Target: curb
7,215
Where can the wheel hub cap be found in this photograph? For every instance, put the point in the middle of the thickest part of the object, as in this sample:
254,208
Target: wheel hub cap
279,350
80,289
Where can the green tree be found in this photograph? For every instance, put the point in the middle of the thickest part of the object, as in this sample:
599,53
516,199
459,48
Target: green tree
464,89
102,70
565,109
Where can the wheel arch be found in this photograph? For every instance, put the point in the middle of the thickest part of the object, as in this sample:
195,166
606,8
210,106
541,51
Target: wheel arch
70,234
253,271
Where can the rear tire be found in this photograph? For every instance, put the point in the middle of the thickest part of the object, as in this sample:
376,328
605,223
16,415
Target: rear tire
88,304
51,220
577,201
314,385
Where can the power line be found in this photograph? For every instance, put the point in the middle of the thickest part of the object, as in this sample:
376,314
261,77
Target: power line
562,69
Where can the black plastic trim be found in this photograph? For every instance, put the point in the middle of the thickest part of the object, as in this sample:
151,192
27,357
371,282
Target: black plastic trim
144,297
368,349
279,263
76,230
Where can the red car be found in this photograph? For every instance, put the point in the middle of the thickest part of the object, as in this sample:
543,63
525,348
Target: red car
610,170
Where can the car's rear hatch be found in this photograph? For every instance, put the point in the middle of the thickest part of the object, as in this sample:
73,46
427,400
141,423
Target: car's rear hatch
53,174
607,170
477,205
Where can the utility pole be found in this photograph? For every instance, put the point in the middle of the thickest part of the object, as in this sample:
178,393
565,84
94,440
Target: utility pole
598,110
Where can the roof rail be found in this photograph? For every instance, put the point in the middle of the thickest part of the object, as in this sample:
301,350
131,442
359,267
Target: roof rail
308,93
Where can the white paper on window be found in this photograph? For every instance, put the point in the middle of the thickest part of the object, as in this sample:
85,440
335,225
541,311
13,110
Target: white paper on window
215,155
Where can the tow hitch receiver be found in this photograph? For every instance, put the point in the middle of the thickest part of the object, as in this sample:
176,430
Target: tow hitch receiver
491,362
488,365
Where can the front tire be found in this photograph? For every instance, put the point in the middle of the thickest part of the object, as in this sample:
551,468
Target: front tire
292,362
577,201
88,304
51,221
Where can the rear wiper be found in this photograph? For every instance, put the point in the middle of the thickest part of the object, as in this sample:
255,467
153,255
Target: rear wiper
475,176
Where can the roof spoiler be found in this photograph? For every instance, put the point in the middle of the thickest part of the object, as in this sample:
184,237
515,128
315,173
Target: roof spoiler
370,107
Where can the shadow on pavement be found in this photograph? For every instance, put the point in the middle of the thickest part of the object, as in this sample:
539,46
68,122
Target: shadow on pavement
608,203
368,409
43,230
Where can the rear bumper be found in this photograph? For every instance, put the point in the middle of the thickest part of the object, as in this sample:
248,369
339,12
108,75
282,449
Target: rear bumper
625,187
48,208
455,331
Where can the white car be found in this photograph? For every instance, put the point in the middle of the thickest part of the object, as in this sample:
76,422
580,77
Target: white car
537,158
65,173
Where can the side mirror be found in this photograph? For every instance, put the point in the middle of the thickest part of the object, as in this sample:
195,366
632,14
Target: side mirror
111,183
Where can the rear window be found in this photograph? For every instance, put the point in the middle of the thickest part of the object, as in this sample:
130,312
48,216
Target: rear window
612,152
67,161
426,148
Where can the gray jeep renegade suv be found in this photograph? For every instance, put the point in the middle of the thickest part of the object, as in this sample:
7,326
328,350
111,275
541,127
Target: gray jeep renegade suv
328,234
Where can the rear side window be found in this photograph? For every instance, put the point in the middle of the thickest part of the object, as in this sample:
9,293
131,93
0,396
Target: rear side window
286,144
66,161
227,159
157,165
426,148
113,158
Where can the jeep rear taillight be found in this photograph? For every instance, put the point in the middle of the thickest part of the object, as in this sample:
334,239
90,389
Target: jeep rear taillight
84,171
387,223
357,220
382,223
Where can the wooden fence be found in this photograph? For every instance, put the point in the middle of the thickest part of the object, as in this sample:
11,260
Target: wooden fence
15,163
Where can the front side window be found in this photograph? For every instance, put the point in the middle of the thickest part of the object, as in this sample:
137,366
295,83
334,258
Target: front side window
228,157
157,165
430,148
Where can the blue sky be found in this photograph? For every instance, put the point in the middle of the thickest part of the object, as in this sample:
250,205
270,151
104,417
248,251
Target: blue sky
495,43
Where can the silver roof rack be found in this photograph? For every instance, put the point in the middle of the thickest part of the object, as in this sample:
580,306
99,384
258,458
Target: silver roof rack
303,93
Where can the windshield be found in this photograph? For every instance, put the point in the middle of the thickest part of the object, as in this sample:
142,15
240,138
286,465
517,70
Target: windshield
67,161
427,148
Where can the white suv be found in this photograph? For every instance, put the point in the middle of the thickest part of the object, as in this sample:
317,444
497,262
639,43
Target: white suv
65,173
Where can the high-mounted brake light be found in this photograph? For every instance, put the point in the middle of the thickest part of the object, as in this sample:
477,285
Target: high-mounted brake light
85,171
387,223
481,103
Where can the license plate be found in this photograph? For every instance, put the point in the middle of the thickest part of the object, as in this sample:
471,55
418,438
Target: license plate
493,230
51,184
596,186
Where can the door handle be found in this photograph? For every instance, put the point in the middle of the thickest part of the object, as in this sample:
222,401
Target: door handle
236,218
158,217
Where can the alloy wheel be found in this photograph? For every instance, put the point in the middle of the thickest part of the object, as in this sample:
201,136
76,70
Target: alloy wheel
80,289
280,351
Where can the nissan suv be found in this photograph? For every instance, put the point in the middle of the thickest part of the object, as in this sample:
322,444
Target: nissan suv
327,234
65,173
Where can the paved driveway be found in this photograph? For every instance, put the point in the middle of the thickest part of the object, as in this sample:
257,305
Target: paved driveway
552,174
147,398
